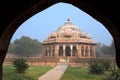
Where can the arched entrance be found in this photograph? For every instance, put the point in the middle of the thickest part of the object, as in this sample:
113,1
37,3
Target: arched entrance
60,51
74,53
67,51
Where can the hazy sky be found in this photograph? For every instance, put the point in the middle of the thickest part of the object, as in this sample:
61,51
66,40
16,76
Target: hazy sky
43,23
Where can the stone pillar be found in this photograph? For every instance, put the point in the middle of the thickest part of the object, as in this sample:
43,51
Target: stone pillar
51,51
71,50
56,50
84,51
2,57
76,50
63,50
79,50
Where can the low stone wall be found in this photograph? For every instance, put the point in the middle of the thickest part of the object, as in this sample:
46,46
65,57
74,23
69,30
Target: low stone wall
42,63
82,65
53,61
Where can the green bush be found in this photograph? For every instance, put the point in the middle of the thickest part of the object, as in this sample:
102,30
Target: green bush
96,67
105,64
114,75
20,65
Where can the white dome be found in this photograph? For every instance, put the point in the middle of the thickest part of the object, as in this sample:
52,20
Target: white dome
68,32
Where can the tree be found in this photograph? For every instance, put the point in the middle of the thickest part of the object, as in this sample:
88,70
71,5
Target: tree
106,50
98,49
112,48
102,49
25,46
20,65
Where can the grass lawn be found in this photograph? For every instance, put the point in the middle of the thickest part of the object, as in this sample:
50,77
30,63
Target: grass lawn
31,74
76,73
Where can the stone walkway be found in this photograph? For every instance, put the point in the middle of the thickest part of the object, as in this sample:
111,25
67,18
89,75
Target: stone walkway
54,74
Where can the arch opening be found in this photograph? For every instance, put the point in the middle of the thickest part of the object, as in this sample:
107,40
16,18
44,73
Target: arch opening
74,53
68,51
60,51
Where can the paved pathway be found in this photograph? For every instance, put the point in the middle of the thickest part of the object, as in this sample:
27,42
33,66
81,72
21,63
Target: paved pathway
54,74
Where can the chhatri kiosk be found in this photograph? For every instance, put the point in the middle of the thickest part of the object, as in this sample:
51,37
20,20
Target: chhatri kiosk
69,42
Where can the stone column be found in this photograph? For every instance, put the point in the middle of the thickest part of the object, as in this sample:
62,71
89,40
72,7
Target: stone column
56,50
64,50
51,51
84,51
71,50
76,50
48,52
79,50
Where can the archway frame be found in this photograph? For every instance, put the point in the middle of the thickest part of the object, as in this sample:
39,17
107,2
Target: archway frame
42,5
60,51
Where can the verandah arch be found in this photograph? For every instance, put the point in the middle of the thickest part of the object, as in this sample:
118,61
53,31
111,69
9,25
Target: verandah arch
61,51
74,52
67,51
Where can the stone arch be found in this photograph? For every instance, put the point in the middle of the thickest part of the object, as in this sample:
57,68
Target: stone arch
67,51
74,51
61,51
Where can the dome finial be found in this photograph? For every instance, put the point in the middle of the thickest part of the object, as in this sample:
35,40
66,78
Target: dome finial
68,19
